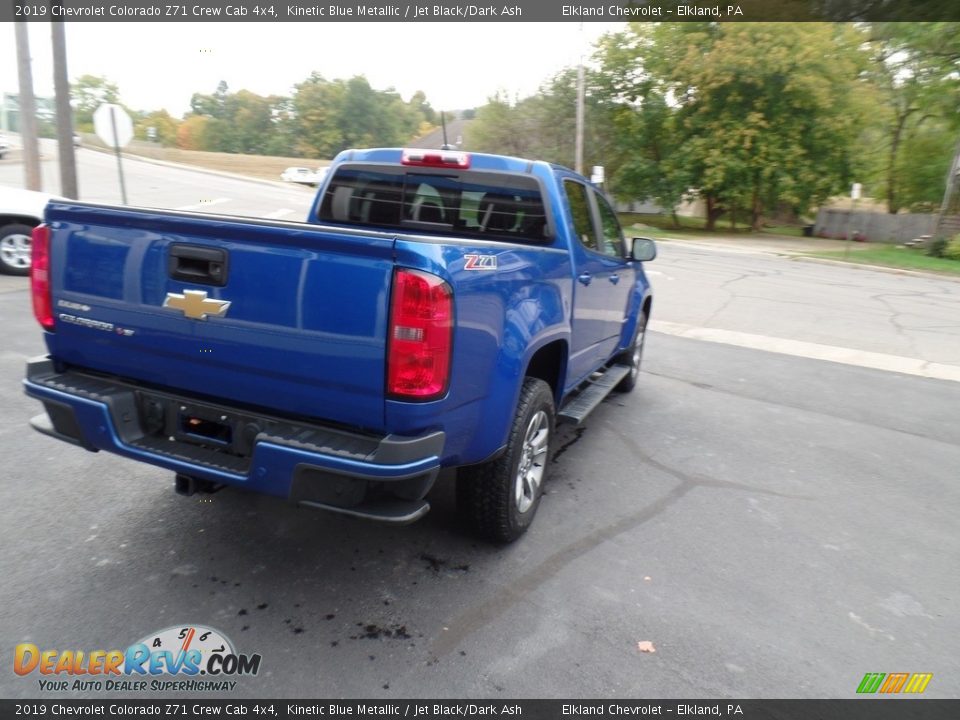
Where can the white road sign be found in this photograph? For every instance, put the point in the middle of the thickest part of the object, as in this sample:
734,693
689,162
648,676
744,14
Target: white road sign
104,125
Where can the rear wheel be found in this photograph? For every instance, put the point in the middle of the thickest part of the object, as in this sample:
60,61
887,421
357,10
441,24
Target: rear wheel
15,249
499,499
633,356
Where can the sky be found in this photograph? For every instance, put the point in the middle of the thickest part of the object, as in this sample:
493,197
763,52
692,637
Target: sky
161,65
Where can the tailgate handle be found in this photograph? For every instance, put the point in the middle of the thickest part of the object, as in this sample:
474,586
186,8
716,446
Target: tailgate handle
197,264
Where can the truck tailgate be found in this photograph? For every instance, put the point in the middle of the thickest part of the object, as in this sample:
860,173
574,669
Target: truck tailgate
304,331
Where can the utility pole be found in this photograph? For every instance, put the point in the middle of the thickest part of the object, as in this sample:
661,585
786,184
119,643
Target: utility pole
28,111
578,160
65,151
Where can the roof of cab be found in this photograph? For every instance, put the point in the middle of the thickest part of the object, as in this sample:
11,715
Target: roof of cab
478,161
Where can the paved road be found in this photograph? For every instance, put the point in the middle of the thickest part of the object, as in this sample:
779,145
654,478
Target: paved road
909,322
156,185
776,526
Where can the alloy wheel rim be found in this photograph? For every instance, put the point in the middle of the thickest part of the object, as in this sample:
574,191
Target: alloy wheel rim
15,251
533,458
637,352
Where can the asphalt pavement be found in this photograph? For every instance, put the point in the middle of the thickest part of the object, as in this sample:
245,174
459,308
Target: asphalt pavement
774,526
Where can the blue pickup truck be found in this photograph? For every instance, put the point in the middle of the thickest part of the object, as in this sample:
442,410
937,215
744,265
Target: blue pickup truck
438,309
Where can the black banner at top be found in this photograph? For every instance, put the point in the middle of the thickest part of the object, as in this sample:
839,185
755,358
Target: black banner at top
461,10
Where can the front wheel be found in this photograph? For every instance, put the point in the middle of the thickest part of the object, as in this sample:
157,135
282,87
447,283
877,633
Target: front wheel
15,249
633,356
499,499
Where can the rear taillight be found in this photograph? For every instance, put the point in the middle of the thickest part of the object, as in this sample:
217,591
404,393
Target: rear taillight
420,336
40,276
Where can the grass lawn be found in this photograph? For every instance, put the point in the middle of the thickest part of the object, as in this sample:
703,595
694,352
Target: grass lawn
258,166
895,257
663,226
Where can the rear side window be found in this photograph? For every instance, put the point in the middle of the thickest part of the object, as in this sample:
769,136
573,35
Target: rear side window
469,203
580,210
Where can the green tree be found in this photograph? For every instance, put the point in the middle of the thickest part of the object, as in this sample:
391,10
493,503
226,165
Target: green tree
191,132
644,121
283,138
369,118
922,166
166,127
496,128
87,93
543,126
243,122
214,105
332,115
246,125
767,112
916,71
419,104
316,103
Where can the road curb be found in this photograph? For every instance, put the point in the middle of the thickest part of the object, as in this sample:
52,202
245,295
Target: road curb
877,268
812,351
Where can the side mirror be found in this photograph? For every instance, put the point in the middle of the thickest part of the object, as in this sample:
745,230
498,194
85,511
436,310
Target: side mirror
643,249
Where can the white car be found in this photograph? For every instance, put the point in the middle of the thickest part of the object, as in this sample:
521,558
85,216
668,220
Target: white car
20,212
302,175
4,147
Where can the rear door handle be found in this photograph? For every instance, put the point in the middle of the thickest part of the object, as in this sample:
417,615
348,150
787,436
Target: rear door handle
614,278
585,278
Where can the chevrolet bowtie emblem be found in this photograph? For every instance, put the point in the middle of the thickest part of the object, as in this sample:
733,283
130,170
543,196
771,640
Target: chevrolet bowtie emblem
195,304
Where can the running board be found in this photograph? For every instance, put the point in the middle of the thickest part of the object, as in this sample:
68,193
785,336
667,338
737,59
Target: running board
586,400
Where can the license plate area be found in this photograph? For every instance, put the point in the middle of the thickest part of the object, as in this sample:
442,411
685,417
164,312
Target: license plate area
197,427
192,423
170,421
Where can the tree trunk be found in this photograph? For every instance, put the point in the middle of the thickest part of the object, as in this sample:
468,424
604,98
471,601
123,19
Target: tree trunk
893,203
757,214
714,211
756,208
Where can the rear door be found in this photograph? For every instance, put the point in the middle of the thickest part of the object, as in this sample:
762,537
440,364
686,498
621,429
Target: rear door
601,284
617,271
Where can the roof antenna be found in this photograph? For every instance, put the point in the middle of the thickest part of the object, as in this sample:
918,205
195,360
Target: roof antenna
443,122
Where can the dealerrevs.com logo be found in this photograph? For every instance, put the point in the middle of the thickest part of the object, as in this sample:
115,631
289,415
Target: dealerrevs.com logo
178,658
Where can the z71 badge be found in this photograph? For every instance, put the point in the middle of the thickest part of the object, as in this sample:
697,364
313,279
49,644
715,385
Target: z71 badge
480,262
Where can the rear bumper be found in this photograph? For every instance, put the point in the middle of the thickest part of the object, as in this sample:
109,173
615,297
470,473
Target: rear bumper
382,478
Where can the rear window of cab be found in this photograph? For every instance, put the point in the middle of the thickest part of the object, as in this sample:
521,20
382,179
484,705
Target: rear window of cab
469,203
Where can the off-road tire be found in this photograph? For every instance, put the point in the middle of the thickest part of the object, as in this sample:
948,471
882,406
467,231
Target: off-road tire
487,495
633,356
